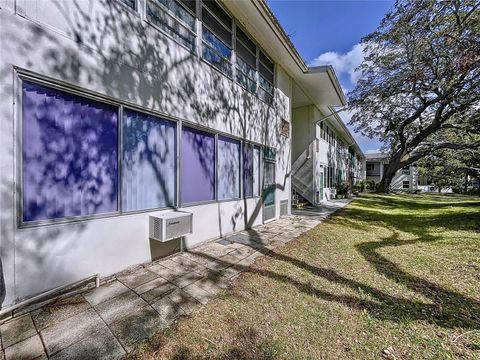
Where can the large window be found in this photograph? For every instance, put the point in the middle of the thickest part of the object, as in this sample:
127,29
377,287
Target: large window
406,184
228,168
246,51
70,155
176,18
217,37
149,162
197,166
251,170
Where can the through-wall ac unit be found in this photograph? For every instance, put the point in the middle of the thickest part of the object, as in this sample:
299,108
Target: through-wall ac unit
170,225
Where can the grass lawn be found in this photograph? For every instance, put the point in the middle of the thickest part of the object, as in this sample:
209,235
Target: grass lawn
388,277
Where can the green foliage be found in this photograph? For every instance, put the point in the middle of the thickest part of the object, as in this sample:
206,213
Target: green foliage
342,189
420,80
450,168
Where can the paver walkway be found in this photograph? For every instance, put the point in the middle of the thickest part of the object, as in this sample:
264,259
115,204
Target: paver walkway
106,322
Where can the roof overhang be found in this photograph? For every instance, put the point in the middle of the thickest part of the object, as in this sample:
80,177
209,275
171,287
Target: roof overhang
315,85
319,86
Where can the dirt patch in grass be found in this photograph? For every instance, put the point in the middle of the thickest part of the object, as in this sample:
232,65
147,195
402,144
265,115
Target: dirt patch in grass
391,277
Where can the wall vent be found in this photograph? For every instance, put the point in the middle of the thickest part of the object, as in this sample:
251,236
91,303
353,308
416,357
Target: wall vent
283,207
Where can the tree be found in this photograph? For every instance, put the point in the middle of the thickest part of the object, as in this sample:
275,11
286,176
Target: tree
420,80
449,168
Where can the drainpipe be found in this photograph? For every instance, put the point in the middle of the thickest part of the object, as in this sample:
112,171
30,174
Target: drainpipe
51,292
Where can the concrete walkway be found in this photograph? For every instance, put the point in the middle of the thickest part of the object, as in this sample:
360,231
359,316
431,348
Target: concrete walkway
107,322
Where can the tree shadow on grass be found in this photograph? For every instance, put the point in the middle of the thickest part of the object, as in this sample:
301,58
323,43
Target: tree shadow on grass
422,202
447,309
443,307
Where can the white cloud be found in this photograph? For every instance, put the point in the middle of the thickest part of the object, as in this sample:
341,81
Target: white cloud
366,144
343,63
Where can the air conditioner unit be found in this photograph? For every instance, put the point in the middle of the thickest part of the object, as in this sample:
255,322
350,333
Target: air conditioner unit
170,225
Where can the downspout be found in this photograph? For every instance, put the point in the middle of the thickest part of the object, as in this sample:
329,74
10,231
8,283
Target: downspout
57,290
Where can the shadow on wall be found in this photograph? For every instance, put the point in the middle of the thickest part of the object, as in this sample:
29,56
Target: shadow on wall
112,51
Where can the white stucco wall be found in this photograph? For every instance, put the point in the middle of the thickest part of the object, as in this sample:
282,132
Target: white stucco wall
102,47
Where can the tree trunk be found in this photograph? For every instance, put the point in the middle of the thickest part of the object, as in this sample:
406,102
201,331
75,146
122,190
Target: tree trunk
465,185
388,174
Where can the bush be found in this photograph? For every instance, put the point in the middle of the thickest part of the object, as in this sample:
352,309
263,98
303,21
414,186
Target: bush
342,189
370,185
360,186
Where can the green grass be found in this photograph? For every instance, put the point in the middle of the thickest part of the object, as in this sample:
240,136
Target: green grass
388,272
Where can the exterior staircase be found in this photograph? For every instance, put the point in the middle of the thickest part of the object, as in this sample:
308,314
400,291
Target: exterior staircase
302,179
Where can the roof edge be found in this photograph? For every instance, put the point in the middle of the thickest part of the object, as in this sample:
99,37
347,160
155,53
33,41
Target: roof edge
333,79
264,9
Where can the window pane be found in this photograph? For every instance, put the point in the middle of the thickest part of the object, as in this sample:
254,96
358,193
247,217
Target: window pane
246,40
246,82
256,171
178,11
248,57
225,34
266,61
178,30
269,183
189,4
219,12
248,170
149,162
217,44
266,75
264,96
129,3
228,168
69,155
197,166
216,53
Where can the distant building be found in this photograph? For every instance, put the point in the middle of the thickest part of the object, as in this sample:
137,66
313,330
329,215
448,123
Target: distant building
405,179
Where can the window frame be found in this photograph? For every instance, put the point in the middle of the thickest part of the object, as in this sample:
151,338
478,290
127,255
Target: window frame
204,43
25,76
237,67
135,5
21,75
260,87
240,168
406,170
403,184
260,161
180,21
180,203
177,155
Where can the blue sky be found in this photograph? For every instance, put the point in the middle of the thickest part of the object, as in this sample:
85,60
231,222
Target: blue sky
328,32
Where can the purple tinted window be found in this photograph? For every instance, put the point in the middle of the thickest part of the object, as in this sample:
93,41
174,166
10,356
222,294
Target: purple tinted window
69,155
248,170
197,166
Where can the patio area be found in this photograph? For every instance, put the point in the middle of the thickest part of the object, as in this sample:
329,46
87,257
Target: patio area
107,322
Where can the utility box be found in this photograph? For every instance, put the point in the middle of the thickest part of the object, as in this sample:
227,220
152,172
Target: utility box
165,226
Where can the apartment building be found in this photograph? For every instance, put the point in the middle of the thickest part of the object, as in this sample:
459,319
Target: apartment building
405,179
114,111
325,154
